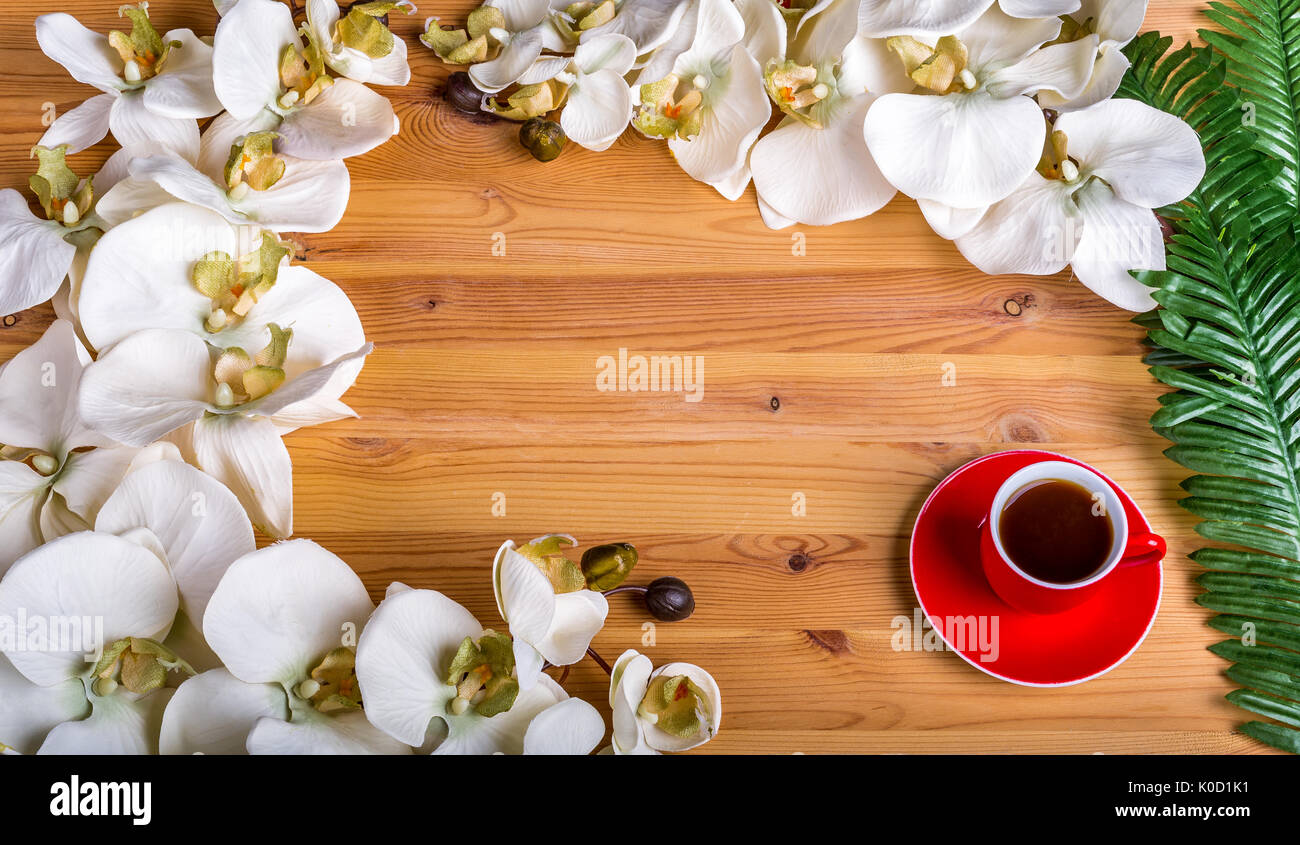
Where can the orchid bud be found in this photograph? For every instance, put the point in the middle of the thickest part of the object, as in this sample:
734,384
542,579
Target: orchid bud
545,139
605,567
669,599
463,94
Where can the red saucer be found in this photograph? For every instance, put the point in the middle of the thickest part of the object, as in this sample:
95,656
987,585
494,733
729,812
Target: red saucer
1058,650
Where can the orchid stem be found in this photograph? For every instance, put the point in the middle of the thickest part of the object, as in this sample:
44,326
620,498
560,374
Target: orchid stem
626,588
600,661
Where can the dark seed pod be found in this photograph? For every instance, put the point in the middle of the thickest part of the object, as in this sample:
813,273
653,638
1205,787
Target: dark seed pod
462,94
605,567
543,138
669,599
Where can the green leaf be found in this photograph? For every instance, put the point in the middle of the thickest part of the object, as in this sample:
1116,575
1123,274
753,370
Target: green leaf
1226,336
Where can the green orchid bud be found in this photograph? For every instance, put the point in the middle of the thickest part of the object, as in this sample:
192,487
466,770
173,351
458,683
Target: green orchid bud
544,139
63,196
675,705
607,566
254,162
143,52
482,673
361,28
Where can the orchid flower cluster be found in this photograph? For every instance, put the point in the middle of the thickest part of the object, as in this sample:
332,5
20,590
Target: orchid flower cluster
141,437
994,115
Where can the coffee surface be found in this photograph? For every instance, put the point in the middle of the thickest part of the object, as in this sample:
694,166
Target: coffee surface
1054,531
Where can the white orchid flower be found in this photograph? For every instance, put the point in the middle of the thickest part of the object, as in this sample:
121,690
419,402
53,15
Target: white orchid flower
155,87
50,483
815,168
62,697
36,254
1111,25
711,106
543,597
597,100
283,620
241,176
261,64
972,134
433,676
648,23
359,45
107,601
673,708
225,407
1090,203
887,18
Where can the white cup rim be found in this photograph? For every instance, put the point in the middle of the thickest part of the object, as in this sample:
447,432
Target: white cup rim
1063,471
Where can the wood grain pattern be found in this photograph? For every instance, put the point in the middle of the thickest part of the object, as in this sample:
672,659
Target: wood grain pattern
823,376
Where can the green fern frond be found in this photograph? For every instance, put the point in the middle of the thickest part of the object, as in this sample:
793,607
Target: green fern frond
1227,338
1262,45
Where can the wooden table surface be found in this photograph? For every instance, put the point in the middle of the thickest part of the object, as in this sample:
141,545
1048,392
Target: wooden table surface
823,376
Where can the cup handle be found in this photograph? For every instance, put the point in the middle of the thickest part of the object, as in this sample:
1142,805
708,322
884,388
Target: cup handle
1143,549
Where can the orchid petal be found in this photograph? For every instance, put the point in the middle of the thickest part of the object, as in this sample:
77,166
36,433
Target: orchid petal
649,23
214,712
1062,69
1118,236
315,733
29,712
81,577
132,122
1040,8
524,596
310,197
1035,231
611,52
184,87
33,253
84,54
627,688
147,385
578,617
765,29
1118,21
129,197
521,14
996,39
880,18
139,274
660,62
516,57
733,186
198,521
948,222
772,218
719,26
247,455
278,611
246,55
346,120
732,121
38,390
528,664
81,127
598,110
118,724
1148,157
23,492
88,479
976,149
403,657
821,176
571,726
1107,74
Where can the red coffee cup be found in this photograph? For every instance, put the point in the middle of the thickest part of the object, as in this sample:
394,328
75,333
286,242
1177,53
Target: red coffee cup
1034,595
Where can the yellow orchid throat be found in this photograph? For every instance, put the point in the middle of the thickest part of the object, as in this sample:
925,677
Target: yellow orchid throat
253,164
941,69
63,196
1056,163
235,285
483,674
480,40
332,686
672,107
361,28
676,706
241,378
302,72
797,89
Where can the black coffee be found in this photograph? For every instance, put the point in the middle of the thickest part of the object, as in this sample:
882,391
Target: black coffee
1055,531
